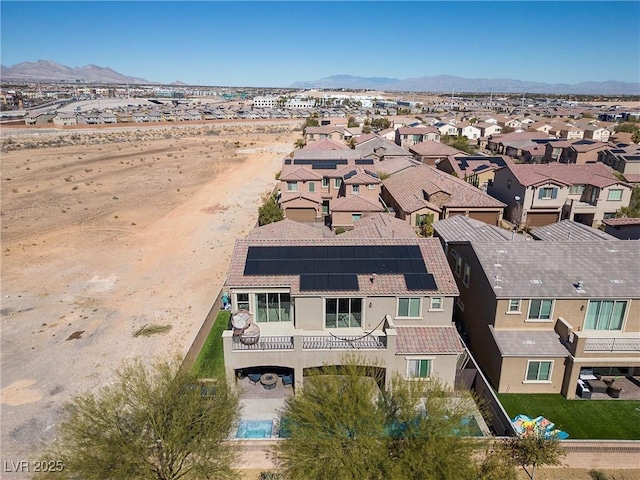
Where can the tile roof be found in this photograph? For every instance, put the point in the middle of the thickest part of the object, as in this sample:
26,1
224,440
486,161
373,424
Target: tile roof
407,189
288,229
632,177
385,285
551,270
621,221
380,225
417,130
517,136
325,144
355,203
461,228
597,174
466,165
566,230
427,340
391,149
299,174
528,343
429,147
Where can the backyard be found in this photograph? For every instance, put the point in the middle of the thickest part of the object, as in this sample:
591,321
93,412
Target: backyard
581,419
210,361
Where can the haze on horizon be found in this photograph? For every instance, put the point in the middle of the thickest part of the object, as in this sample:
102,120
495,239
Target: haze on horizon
275,44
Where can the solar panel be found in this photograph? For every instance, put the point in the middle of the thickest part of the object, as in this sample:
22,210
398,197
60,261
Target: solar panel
364,161
287,161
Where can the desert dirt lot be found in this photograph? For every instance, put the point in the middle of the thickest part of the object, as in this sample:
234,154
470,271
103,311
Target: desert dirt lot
101,239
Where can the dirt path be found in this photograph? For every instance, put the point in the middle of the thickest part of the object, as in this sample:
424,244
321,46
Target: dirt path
100,240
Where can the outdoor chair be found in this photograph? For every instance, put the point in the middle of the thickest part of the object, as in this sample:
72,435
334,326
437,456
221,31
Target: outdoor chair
287,380
254,378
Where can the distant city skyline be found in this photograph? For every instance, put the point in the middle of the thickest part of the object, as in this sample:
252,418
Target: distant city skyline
275,44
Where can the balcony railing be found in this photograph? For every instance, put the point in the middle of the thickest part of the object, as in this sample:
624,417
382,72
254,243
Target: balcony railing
369,342
612,345
280,342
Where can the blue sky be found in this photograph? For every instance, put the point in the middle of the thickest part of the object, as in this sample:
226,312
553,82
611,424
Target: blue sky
278,43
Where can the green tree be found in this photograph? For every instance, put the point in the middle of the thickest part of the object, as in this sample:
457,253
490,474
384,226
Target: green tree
310,122
635,138
458,141
352,122
534,450
366,129
344,425
300,143
381,123
153,422
426,225
270,212
626,128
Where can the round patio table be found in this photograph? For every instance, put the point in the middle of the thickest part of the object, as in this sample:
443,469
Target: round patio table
269,379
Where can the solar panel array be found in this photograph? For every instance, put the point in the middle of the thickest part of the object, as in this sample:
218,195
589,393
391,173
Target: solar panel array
338,267
364,161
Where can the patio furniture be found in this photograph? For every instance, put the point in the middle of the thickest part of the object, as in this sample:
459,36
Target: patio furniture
250,335
583,390
287,380
598,386
614,391
269,381
254,378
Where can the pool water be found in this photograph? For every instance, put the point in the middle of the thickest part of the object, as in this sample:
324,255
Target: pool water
255,429
472,424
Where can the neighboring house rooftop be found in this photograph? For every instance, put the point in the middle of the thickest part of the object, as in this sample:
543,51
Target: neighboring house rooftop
552,270
288,229
618,222
355,203
597,174
465,166
375,145
462,228
431,148
567,230
411,189
325,144
380,225
528,343
343,266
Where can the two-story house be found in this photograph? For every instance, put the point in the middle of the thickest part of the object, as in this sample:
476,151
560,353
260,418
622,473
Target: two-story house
574,151
310,302
535,314
539,194
409,136
625,158
432,153
476,170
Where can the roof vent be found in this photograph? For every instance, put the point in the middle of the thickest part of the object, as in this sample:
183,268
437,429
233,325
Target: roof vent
536,282
616,280
373,278
578,286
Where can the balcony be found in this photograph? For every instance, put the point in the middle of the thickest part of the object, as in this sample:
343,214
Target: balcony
279,342
351,342
594,342
616,344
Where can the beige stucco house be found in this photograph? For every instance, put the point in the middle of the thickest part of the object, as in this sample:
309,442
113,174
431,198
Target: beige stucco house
312,300
535,314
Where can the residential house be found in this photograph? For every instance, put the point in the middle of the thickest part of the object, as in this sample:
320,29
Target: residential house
596,132
123,117
574,151
569,230
540,194
38,118
318,133
446,129
623,228
423,191
476,170
139,117
472,132
108,117
89,118
409,136
487,128
623,157
310,302
537,315
568,131
64,119
431,153
513,143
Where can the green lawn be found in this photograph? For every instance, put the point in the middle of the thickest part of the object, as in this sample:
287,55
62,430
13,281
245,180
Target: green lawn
581,419
210,361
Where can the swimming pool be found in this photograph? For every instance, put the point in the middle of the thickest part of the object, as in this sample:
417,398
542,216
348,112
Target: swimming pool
254,429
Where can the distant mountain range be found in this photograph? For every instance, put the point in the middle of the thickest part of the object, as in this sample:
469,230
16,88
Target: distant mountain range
448,83
44,70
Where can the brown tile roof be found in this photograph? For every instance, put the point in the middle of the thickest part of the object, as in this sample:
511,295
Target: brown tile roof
596,174
364,138
312,197
429,147
407,189
380,225
616,222
286,228
417,130
632,177
355,203
384,285
516,136
299,174
428,340
326,129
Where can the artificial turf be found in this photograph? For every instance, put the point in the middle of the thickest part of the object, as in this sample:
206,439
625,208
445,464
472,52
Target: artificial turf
210,361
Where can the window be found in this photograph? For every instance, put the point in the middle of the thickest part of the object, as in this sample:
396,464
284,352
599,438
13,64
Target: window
436,303
325,182
576,189
606,216
273,307
371,186
355,189
292,186
514,305
605,314
242,301
355,217
409,307
467,274
540,309
539,371
343,312
325,207
547,193
614,195
337,182
312,187
419,368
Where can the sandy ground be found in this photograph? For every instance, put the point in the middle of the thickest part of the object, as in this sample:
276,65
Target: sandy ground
101,240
